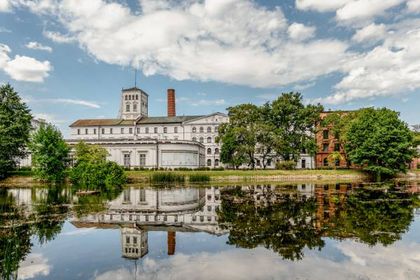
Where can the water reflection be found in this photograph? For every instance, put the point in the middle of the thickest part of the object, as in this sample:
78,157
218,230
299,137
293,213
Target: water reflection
293,222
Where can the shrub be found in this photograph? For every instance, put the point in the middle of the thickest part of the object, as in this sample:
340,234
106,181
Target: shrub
167,177
199,178
286,165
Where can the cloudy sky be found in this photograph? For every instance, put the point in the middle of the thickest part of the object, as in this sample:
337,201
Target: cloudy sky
69,59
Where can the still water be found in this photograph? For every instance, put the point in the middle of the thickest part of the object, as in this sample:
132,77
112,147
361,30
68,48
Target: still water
305,231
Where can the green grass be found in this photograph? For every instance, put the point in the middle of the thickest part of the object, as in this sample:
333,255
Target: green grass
166,177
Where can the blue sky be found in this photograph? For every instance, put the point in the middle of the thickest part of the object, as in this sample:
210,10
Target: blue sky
69,59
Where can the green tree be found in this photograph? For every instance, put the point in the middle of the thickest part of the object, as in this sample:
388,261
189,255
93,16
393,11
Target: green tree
294,125
93,170
15,126
379,142
49,153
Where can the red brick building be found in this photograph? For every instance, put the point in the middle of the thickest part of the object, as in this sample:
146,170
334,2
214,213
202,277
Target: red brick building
327,143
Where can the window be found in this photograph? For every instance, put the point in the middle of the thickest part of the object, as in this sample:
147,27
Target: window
209,208
209,162
325,134
201,129
127,239
103,131
175,129
216,151
78,131
127,160
129,97
138,130
155,130
110,131
337,162
208,139
94,131
86,131
194,139
165,130
201,140
208,129
209,151
127,107
194,129
142,161
147,130
126,97
303,162
130,130
269,162
122,130
135,107
137,97
325,147
325,162
336,147
216,162
216,129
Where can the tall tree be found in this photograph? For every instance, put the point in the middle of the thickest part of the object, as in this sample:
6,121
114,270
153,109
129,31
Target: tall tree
49,153
294,124
380,142
15,125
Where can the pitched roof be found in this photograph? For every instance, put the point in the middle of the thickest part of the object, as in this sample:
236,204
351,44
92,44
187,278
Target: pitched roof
143,120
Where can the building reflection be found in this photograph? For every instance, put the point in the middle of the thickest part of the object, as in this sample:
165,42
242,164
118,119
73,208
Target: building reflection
136,211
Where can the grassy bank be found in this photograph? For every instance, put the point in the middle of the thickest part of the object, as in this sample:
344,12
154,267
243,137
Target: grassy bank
249,175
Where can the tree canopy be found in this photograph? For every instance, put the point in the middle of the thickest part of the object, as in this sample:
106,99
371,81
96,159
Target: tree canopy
15,126
49,153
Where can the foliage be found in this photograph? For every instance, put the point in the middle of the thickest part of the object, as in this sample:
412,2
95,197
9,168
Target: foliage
284,128
286,165
49,153
93,170
15,126
333,158
199,178
167,177
379,142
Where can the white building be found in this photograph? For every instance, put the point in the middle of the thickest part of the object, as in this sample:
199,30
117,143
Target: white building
136,140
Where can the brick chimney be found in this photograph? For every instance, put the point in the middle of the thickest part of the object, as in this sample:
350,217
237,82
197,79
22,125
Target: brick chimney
171,103
171,242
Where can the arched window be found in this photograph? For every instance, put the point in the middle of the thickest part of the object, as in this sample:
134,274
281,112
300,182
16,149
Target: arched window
126,97
201,129
209,151
208,139
216,151
165,130
194,139
208,129
137,97
201,140
135,107
209,162
127,107
325,161
194,129
216,162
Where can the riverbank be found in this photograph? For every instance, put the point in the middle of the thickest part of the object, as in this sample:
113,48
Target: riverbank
26,179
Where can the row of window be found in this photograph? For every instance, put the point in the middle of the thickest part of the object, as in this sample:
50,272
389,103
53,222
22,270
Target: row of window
131,97
325,147
201,129
201,139
216,151
216,162
127,107
130,130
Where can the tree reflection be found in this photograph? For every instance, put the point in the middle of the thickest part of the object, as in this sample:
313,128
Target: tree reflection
287,222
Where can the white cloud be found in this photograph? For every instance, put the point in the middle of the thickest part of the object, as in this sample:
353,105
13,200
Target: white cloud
34,265
23,68
298,31
413,6
38,46
235,41
4,29
391,68
74,102
365,9
5,6
50,118
371,33
58,37
321,5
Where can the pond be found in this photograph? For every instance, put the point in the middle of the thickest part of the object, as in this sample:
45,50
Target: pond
304,231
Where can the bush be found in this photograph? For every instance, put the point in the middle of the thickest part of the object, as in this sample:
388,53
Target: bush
199,178
166,177
286,165
104,174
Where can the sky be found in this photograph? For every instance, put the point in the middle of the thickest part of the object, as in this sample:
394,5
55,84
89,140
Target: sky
70,59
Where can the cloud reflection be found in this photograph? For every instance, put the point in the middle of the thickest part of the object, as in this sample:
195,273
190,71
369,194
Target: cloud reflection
34,265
